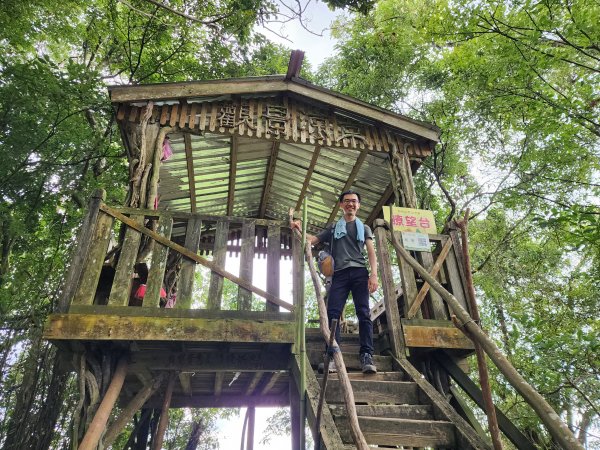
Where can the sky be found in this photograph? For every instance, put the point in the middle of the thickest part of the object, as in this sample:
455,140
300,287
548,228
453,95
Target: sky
317,18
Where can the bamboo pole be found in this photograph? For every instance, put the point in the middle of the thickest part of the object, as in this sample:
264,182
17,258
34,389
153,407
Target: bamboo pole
98,425
334,324
164,415
128,412
559,431
357,436
484,378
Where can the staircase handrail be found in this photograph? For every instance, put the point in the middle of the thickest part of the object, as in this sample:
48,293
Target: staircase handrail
559,430
355,431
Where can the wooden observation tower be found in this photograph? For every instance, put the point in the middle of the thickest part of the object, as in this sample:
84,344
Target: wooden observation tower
214,168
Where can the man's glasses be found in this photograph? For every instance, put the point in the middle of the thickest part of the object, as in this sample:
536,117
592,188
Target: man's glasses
350,202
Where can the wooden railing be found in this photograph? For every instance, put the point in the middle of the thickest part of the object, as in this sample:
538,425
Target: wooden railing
103,271
410,306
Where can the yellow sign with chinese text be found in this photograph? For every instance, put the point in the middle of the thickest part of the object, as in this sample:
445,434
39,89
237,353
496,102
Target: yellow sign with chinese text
409,219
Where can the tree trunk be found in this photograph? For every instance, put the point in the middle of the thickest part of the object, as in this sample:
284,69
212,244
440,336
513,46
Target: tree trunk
194,440
18,424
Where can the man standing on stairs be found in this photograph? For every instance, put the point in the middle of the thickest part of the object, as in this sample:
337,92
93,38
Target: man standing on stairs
348,237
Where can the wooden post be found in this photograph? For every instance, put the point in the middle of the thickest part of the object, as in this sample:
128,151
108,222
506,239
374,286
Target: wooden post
295,414
164,414
128,412
96,428
84,239
215,289
405,188
559,431
185,285
484,378
250,430
273,263
389,291
244,302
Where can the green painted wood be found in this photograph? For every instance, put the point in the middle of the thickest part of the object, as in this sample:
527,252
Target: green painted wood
215,290
273,263
159,262
246,263
185,284
94,261
119,293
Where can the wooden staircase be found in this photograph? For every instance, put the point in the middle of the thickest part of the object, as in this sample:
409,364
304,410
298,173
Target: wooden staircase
393,409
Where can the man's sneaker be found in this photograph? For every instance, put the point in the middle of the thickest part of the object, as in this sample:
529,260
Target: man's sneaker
366,363
332,367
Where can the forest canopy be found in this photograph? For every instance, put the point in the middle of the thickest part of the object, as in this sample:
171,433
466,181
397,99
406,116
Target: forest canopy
514,87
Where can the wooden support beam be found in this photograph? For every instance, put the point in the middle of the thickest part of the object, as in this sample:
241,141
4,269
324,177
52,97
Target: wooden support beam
269,180
219,383
273,377
190,170
98,424
253,383
389,293
250,430
123,328
273,263
199,259
128,412
351,178
185,379
215,289
164,414
467,385
222,401
434,334
433,272
185,284
309,173
232,172
383,200
244,302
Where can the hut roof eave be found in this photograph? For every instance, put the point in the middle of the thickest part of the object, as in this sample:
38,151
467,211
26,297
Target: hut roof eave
272,84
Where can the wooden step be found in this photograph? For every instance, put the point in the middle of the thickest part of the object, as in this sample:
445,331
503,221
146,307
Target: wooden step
415,412
351,360
379,376
366,391
406,432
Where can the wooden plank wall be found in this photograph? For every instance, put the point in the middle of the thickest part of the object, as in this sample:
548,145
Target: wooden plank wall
249,238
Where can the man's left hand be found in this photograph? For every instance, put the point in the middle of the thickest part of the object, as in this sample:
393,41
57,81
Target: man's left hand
373,283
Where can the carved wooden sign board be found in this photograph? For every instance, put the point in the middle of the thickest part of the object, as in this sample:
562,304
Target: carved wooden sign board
274,118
